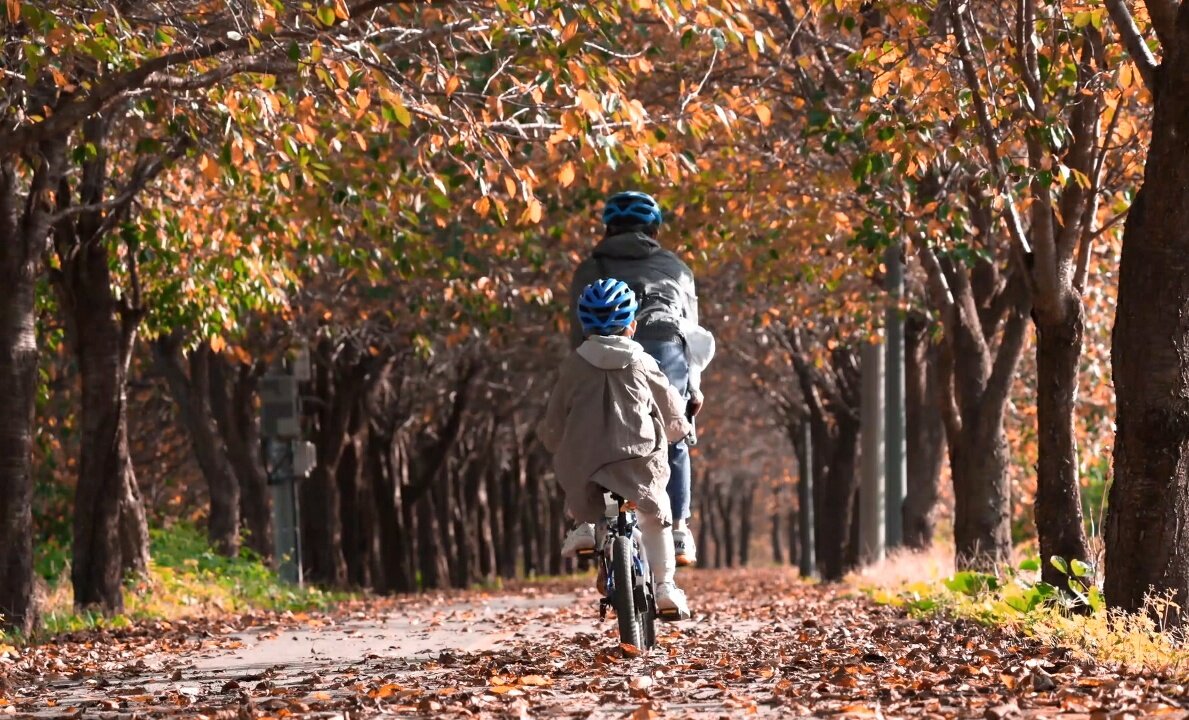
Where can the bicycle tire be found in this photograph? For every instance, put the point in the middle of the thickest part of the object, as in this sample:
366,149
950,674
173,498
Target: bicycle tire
648,624
625,592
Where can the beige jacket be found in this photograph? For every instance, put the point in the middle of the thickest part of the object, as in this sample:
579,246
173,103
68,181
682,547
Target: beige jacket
609,423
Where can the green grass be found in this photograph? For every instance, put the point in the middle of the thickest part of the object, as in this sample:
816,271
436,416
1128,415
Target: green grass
186,578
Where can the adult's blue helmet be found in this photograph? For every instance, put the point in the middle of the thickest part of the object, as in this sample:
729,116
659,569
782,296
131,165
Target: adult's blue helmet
606,307
631,208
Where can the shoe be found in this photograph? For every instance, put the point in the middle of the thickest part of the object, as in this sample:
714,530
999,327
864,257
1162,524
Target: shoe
684,548
580,540
671,603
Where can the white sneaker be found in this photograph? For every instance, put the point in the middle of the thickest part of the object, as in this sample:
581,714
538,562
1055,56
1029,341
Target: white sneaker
684,548
580,539
670,601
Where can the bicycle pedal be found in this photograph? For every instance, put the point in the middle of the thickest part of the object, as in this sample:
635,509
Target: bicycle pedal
668,615
585,554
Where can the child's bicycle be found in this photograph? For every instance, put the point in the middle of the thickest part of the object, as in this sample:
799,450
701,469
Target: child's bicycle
624,577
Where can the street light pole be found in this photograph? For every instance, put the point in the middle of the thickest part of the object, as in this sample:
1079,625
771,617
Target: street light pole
895,446
871,491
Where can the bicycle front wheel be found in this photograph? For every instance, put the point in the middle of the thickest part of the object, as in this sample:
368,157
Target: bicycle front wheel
625,600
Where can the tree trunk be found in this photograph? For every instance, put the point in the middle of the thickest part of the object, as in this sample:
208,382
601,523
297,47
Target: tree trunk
1147,522
979,375
838,481
1058,510
18,390
432,560
192,395
24,225
777,538
487,525
396,575
926,434
339,382
726,506
982,499
103,346
356,506
703,526
794,538
747,492
134,529
233,390
557,529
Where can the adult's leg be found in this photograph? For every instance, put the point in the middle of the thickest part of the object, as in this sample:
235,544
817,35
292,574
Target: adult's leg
670,355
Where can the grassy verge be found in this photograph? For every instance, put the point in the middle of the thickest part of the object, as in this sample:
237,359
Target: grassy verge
925,583
186,578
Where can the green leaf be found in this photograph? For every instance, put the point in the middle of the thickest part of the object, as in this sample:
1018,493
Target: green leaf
972,583
1031,565
1081,569
326,16
1059,563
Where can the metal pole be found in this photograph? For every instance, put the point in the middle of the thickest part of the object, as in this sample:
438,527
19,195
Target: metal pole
282,486
805,501
895,446
871,492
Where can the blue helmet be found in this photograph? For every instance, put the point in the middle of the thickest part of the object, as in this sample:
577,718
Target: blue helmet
606,307
631,208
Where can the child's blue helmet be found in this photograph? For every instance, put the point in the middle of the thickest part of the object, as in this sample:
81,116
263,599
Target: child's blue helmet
606,307
632,208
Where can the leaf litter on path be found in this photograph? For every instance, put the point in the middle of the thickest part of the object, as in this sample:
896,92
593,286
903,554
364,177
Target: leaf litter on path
762,643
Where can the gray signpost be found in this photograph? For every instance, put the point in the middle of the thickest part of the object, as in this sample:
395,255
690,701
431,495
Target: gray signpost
289,459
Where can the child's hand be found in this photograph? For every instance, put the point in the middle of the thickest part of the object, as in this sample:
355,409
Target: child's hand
695,405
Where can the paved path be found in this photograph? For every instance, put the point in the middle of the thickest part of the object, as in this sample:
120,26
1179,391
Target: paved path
762,643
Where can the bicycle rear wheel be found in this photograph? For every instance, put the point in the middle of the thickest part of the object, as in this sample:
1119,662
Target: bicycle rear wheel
648,622
625,593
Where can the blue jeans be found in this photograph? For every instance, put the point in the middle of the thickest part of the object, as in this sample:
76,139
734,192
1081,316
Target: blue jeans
670,355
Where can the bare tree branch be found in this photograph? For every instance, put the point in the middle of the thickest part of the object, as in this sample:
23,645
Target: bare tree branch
1015,225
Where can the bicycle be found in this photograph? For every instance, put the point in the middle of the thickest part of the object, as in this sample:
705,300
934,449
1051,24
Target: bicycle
625,577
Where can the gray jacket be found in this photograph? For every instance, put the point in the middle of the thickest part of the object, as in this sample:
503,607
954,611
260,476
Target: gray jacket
640,261
609,423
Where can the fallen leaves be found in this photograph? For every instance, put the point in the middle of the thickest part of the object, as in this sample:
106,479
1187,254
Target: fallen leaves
764,644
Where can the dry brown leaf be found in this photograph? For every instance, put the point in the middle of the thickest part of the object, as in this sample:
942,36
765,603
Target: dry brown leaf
644,712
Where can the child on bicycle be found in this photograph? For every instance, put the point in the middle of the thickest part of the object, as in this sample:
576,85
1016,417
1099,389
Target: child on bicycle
609,423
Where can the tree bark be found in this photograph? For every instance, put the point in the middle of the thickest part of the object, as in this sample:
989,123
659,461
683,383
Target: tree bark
18,390
838,480
979,377
1058,511
192,395
926,434
233,391
1147,523
777,537
833,404
103,345
726,505
24,225
339,383
746,504
979,457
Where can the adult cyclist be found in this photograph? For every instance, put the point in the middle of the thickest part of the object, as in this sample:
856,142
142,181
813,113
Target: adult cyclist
664,287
